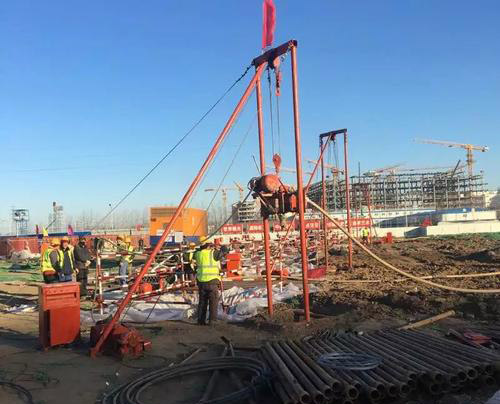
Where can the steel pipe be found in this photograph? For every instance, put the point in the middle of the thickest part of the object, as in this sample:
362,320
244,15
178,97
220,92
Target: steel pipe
312,376
284,374
315,393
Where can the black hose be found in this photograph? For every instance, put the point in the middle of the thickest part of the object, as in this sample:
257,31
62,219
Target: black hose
129,393
20,390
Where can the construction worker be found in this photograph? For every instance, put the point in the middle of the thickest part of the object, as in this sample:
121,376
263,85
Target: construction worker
365,235
208,276
83,259
50,262
66,261
188,263
126,250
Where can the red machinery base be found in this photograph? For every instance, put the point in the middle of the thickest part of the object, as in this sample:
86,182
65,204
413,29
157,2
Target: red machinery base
122,342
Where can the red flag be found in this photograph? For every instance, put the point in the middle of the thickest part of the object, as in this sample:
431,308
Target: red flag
268,22
70,230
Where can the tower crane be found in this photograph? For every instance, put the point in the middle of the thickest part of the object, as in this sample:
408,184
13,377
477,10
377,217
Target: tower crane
223,191
335,170
378,171
468,147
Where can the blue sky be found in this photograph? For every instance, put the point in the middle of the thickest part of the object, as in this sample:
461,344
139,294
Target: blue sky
93,93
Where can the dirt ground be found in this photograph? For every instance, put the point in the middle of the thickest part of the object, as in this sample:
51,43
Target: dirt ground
68,374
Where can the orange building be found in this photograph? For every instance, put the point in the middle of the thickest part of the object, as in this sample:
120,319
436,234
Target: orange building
192,222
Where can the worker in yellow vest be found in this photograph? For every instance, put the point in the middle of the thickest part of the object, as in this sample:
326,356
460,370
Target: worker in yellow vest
66,261
365,235
208,277
50,262
127,253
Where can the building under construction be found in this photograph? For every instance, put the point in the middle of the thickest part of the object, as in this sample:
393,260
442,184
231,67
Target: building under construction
424,190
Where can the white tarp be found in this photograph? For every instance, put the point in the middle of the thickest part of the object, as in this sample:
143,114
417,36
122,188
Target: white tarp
242,303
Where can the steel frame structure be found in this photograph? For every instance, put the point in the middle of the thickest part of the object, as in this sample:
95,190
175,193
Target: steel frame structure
422,190
260,63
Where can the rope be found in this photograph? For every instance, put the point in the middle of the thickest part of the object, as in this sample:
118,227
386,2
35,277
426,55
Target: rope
400,271
271,107
245,136
196,124
278,122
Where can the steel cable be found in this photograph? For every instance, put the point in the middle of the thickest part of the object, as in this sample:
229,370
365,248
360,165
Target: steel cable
176,145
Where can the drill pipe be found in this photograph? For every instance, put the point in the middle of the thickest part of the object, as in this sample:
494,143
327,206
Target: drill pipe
335,385
384,372
487,362
447,372
484,353
316,394
290,383
471,371
352,387
425,371
391,386
311,374
452,364
397,368
373,390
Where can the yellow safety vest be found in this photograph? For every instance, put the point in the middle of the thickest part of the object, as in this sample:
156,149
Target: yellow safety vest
71,257
46,264
122,247
208,267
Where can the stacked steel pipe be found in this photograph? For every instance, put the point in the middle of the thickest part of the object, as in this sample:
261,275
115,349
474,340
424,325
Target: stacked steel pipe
411,360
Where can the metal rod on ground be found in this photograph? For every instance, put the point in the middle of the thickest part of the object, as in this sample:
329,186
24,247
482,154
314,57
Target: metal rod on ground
265,220
292,385
300,187
180,208
429,320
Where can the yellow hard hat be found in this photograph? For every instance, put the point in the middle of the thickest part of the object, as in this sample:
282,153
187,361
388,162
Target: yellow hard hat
128,239
119,237
65,238
192,245
55,241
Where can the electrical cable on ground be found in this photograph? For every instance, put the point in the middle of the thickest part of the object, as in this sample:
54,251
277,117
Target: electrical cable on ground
20,390
130,393
388,265
176,145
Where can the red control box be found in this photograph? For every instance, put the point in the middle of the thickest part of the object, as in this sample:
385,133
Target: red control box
59,313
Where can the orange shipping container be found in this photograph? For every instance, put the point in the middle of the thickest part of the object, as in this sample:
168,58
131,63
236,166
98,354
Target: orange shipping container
192,222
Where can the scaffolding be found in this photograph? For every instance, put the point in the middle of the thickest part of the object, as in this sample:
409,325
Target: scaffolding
247,211
20,220
426,190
